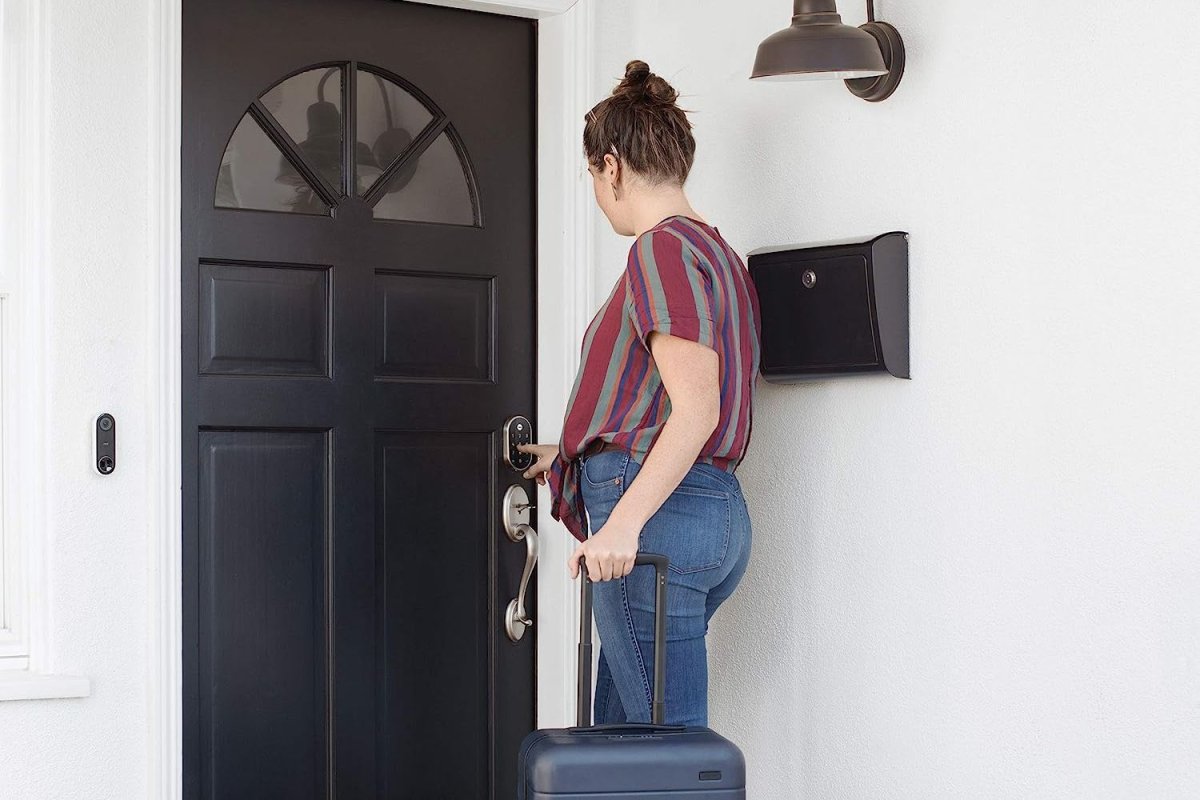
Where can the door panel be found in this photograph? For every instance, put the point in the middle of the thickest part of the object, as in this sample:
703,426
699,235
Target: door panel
430,581
263,541
431,325
358,323
263,320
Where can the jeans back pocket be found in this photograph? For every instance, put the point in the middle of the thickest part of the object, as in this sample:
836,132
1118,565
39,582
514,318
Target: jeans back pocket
691,527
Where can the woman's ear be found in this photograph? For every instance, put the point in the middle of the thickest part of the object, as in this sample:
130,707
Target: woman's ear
612,172
612,168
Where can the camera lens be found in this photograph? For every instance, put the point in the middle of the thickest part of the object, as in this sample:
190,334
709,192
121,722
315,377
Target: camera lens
106,423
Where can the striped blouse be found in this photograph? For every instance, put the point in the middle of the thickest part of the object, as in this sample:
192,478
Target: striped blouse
684,279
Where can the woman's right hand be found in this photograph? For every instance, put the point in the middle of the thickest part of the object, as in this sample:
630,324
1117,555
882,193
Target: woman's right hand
545,453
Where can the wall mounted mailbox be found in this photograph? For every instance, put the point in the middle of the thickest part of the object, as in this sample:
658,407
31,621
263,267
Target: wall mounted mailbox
833,309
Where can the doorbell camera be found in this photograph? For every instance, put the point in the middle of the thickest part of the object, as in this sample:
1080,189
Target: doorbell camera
104,445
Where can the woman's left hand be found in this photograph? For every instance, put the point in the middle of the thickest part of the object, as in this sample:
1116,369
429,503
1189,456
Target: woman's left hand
610,553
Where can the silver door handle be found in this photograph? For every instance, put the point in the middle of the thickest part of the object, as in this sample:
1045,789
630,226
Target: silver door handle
516,621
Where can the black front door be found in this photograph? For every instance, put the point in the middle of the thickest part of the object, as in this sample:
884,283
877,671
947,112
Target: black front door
357,325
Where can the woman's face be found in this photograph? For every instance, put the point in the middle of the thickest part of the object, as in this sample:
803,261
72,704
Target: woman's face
607,187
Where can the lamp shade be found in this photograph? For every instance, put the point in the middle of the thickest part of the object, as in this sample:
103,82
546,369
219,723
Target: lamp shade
818,45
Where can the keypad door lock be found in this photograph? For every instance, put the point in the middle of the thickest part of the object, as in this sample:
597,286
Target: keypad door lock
518,430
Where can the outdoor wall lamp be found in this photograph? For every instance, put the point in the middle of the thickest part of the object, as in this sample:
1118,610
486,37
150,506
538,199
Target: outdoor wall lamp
870,58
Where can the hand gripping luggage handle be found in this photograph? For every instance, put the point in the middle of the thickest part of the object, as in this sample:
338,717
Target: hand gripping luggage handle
583,715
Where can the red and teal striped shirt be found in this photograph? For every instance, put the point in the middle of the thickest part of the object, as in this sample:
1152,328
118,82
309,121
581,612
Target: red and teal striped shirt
683,279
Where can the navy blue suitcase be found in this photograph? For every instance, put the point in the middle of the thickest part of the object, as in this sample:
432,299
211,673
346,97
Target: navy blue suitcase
622,762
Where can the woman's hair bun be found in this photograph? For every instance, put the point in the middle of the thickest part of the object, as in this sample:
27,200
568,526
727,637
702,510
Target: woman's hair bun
642,127
640,84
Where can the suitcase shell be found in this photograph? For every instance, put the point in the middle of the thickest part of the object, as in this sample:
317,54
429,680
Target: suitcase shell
620,763
623,762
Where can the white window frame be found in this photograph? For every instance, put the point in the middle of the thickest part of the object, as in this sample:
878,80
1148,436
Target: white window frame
25,665
14,650
14,243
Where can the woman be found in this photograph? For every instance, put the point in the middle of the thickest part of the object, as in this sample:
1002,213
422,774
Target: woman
660,414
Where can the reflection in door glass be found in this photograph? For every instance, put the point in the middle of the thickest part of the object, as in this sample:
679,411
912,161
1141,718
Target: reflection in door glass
309,107
436,191
389,118
255,174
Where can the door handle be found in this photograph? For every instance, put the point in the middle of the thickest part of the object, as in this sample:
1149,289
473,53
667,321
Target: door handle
516,620
516,526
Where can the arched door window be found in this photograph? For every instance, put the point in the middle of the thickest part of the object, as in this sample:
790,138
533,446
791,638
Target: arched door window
289,152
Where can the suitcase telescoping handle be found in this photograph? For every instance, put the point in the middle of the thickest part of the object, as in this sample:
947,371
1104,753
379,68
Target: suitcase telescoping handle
583,714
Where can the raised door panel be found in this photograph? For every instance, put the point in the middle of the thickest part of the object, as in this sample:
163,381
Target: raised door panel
258,319
434,326
263,539
432,551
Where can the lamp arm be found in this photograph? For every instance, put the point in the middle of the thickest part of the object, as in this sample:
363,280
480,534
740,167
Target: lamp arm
870,10
321,83
387,105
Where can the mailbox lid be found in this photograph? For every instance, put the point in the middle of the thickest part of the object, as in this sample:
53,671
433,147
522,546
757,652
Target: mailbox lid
817,312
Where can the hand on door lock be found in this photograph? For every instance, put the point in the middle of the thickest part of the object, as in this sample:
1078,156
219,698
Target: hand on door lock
531,460
517,431
545,453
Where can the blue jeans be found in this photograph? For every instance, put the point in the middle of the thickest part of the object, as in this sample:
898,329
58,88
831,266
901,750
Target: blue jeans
703,527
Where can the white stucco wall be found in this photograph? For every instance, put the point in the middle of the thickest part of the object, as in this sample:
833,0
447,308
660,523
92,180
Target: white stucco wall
984,582
980,583
99,307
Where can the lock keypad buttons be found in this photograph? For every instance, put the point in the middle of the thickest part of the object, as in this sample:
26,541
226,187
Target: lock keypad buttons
518,430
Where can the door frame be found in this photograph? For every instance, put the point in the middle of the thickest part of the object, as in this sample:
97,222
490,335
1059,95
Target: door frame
564,307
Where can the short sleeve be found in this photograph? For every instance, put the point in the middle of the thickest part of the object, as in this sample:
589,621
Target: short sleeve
667,290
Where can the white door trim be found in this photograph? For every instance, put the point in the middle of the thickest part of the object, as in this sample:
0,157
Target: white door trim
564,308
164,684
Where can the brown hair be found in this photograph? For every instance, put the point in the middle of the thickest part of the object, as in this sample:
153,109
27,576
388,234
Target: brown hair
641,125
